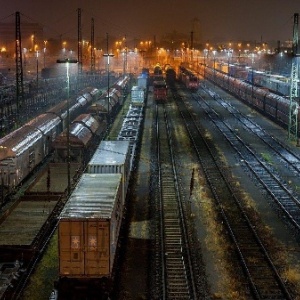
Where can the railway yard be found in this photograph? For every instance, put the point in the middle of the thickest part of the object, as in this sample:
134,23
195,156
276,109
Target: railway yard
208,210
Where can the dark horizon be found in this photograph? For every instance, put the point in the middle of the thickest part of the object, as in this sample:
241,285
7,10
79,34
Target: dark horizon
269,20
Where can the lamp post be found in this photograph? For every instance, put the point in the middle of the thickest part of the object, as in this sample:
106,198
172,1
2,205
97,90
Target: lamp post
214,53
67,61
228,62
37,70
107,64
45,43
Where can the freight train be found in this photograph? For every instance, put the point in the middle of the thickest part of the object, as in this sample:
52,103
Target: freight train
25,148
90,223
270,104
170,76
189,78
160,90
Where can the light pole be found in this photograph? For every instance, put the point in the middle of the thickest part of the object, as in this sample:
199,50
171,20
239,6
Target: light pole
228,72
214,53
37,70
67,61
45,43
108,56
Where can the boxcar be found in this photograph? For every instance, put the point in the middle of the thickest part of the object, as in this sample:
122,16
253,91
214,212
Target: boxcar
89,227
112,157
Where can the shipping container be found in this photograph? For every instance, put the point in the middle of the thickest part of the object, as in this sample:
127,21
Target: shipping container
89,227
138,95
142,81
112,157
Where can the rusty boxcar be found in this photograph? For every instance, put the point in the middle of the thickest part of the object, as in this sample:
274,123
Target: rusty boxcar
89,227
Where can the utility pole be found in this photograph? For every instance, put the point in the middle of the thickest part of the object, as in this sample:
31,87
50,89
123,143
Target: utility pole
294,105
92,47
192,46
108,88
67,62
19,66
125,58
79,40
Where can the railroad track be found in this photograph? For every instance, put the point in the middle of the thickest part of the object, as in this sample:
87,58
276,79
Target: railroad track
262,275
280,192
177,279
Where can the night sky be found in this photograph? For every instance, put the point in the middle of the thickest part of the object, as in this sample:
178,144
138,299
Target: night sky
221,20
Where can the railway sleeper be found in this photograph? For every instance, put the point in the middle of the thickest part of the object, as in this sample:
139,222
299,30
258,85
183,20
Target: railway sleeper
179,295
173,231
173,243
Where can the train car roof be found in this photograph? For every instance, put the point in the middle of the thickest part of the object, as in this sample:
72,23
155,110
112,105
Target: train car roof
44,122
94,197
110,153
18,141
88,121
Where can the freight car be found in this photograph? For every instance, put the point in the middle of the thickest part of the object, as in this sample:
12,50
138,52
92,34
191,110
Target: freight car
88,232
170,75
112,157
85,132
138,95
102,107
25,148
90,222
272,105
122,85
189,78
160,90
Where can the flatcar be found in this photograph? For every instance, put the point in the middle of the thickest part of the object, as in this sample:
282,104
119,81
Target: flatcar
275,106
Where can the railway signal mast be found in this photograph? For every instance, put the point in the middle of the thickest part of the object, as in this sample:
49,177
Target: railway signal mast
294,105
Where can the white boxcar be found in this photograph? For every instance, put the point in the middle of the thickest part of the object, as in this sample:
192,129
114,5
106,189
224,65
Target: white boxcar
138,95
112,157
89,227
